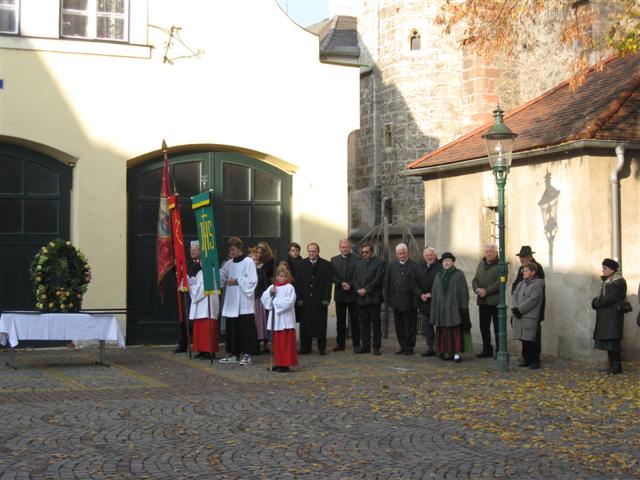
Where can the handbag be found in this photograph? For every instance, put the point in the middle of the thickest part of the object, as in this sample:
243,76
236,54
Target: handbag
624,306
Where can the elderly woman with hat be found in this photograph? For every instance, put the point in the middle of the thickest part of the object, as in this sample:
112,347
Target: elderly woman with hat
607,334
450,311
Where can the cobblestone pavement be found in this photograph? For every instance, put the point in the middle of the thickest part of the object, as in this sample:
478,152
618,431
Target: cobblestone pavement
155,414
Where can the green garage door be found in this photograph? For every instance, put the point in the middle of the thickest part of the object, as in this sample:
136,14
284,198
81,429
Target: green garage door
251,201
34,201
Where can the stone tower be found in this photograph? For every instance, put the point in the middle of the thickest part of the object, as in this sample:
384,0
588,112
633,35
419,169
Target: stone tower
418,91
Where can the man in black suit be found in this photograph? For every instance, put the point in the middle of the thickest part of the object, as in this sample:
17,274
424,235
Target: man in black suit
343,267
425,275
367,281
313,288
403,298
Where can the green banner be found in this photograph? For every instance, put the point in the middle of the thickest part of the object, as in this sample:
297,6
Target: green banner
202,208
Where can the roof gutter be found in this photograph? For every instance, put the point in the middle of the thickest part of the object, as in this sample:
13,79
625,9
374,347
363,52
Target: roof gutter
477,162
615,203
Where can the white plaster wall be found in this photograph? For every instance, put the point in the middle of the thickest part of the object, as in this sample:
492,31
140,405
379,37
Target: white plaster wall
584,238
258,85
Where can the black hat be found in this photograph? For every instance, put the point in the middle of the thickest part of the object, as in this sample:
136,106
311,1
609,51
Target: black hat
611,263
448,255
525,251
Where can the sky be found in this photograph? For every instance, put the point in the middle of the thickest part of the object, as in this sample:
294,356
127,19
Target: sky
305,12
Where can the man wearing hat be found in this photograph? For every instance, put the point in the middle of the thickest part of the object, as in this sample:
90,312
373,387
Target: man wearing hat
526,257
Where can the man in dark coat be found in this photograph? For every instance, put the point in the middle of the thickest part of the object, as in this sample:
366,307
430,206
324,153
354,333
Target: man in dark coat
313,288
293,260
343,267
367,281
526,257
403,298
486,285
425,275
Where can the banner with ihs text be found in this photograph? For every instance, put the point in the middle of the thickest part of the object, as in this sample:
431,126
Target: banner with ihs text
202,205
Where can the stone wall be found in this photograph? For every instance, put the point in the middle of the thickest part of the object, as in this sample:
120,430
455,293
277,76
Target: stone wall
426,98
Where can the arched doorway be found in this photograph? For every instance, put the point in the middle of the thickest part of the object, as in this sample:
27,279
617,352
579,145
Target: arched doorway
35,206
252,200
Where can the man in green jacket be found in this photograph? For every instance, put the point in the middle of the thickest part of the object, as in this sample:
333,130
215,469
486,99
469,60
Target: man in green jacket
486,284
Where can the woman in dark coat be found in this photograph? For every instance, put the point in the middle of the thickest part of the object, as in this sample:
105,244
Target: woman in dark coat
607,334
450,311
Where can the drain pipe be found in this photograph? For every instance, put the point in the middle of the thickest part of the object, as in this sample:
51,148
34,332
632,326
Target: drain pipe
615,204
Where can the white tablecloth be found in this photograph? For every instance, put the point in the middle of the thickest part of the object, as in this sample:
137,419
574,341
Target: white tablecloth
59,326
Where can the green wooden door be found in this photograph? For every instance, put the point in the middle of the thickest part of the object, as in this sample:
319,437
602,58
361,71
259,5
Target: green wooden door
251,200
34,201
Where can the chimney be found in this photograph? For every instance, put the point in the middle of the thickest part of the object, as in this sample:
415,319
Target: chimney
479,96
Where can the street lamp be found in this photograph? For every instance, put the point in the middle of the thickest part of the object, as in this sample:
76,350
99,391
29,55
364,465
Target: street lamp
500,142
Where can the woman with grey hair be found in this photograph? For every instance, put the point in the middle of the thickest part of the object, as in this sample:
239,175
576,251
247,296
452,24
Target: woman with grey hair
527,301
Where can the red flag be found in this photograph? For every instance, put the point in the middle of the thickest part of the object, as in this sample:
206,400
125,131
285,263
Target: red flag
178,244
165,255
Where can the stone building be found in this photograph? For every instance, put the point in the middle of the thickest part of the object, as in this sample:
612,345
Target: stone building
573,194
419,90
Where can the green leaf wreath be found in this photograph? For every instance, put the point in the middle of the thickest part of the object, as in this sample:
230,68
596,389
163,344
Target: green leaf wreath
60,275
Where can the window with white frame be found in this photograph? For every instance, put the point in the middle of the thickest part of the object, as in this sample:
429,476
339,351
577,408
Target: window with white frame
95,19
9,15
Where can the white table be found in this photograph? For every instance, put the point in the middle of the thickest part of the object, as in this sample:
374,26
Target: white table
16,326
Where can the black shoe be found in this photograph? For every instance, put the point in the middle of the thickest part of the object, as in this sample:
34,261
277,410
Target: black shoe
364,350
356,348
524,363
447,357
485,354
399,352
283,369
408,351
616,368
534,366
338,348
202,355
322,352
377,352
428,353
457,358
180,350
304,352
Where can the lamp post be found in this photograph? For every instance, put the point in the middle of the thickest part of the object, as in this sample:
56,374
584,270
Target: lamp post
500,142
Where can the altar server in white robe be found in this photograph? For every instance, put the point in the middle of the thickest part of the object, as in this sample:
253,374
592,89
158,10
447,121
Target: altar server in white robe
280,300
239,279
205,323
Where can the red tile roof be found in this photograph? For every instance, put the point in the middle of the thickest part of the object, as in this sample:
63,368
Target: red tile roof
605,107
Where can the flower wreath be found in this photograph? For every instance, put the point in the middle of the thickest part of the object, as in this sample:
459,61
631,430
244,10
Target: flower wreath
60,275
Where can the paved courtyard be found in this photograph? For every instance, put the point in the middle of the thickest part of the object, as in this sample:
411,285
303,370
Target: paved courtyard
155,414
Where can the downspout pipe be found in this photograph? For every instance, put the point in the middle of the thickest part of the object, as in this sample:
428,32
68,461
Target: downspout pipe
615,204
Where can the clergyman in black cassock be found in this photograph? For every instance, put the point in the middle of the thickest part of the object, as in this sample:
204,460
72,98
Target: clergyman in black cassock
313,288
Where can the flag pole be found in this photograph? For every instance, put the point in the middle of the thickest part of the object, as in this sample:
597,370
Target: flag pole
211,327
178,254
